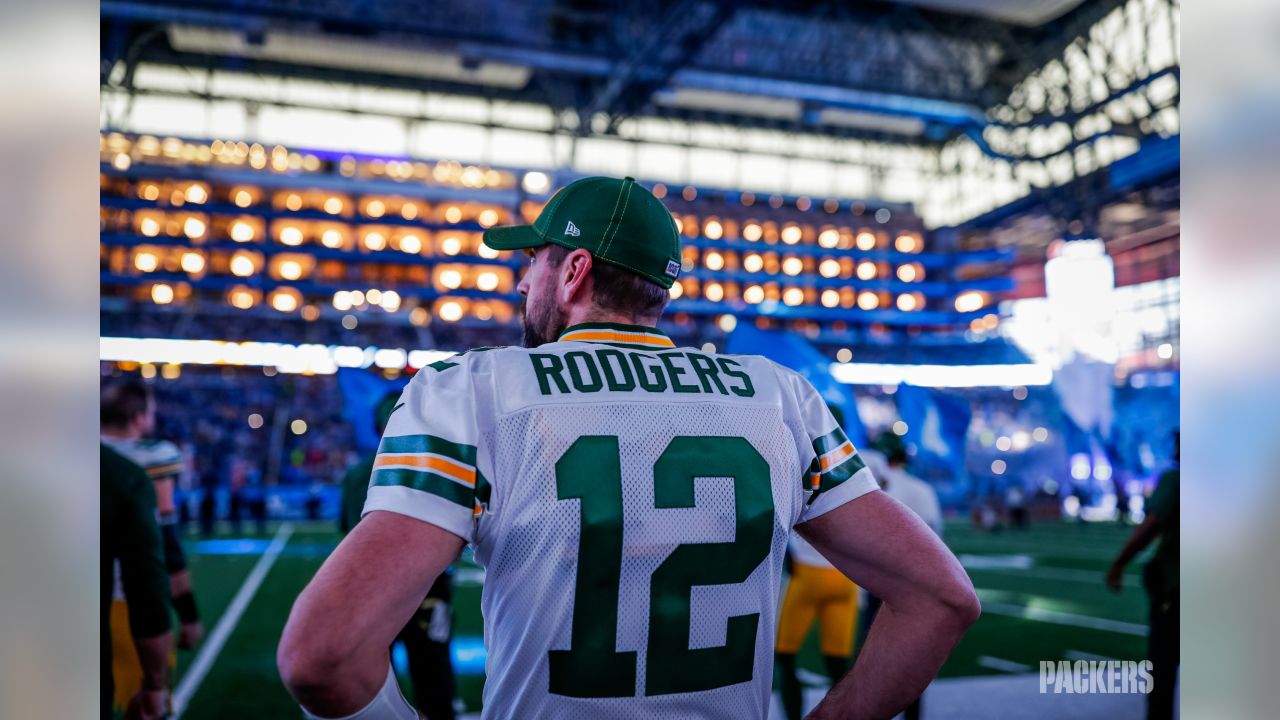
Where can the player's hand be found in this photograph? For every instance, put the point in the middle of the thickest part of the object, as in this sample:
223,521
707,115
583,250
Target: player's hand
190,635
148,705
1115,578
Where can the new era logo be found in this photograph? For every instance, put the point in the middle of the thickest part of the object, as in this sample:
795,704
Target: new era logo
572,230
673,268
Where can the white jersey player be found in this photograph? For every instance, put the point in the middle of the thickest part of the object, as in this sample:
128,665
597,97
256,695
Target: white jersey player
631,502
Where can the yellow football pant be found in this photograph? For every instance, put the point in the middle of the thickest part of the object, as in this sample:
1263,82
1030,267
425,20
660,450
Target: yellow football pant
126,669
828,596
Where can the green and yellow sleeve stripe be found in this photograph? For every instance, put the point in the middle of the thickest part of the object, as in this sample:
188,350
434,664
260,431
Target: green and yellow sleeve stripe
164,470
429,464
835,461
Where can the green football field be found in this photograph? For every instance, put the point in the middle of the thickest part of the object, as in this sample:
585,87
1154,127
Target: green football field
1041,589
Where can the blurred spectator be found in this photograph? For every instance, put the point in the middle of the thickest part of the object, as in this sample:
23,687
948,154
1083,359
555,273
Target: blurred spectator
1015,501
247,431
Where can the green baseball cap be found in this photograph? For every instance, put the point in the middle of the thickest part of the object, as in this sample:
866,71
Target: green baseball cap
617,221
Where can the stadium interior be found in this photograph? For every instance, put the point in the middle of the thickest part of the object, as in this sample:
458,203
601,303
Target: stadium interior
958,218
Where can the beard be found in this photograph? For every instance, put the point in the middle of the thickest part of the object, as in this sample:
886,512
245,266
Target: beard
541,325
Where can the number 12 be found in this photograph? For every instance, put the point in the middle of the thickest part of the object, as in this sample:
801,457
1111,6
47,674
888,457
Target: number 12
590,471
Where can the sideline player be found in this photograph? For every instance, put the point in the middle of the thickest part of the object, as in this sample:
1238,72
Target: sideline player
1160,580
131,552
630,502
128,417
426,636
816,591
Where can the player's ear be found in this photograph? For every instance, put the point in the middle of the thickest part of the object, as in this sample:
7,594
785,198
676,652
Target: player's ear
575,272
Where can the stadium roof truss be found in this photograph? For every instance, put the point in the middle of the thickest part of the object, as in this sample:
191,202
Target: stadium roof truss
1007,97
871,69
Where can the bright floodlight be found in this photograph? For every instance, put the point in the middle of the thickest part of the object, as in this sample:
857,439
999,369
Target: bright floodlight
535,183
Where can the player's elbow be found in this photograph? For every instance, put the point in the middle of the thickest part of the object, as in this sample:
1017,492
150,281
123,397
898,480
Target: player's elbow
961,601
307,665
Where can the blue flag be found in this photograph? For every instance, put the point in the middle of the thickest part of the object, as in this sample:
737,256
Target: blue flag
937,424
362,390
795,352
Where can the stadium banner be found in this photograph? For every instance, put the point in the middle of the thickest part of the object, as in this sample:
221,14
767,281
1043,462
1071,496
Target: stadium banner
937,425
796,353
361,392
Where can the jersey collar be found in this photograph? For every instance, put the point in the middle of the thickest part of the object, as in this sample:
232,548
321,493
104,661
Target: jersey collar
638,336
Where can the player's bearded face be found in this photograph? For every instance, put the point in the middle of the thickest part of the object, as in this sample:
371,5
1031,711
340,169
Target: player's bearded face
542,319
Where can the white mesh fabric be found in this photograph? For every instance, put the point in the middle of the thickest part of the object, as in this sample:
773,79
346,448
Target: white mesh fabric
528,542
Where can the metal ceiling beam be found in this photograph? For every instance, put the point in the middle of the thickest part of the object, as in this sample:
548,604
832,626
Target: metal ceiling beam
681,34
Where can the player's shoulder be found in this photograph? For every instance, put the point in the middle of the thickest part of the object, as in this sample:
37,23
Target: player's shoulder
792,381
118,470
161,450
458,366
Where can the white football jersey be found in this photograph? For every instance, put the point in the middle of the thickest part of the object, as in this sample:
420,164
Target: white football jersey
160,458
631,503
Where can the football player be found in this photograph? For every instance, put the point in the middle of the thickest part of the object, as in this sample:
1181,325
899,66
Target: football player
132,558
128,413
630,501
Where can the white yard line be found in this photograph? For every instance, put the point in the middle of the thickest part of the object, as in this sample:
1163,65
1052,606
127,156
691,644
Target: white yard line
230,618
1009,666
1074,655
1062,618
1049,572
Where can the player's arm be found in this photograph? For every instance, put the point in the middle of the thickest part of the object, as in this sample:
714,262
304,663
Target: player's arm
164,477
1142,536
1159,508
928,599
333,653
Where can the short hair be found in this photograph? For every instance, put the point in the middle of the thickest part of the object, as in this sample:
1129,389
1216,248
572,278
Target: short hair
124,401
617,289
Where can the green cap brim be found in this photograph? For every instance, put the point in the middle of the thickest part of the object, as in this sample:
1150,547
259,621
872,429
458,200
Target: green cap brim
513,237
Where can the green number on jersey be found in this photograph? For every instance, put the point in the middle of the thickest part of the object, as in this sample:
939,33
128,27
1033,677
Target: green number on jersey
591,472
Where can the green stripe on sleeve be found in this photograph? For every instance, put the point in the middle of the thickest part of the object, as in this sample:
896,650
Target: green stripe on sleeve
483,489
465,454
838,474
830,441
428,482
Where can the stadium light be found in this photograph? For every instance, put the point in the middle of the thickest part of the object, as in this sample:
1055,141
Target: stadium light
146,261
970,301
284,357
291,235
242,231
411,244
942,375
161,294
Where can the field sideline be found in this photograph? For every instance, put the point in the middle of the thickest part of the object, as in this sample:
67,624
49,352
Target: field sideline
1041,589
